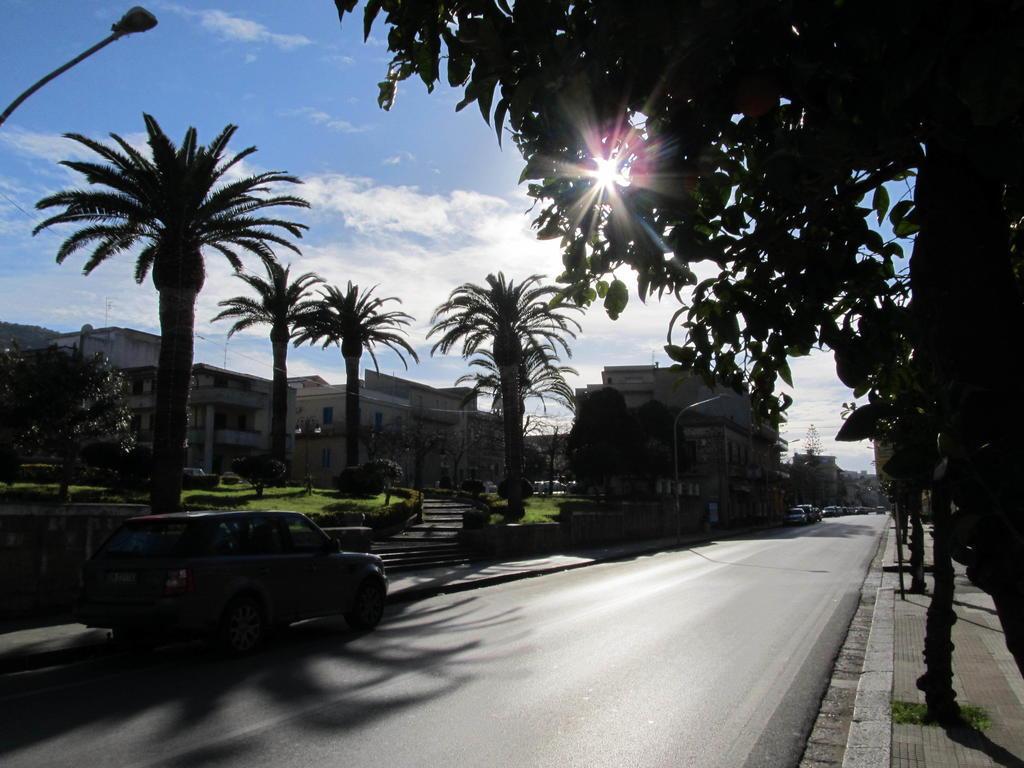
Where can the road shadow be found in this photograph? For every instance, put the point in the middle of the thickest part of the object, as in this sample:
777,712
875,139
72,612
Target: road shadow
327,678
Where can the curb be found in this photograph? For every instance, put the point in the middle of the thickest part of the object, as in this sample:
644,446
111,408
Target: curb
869,742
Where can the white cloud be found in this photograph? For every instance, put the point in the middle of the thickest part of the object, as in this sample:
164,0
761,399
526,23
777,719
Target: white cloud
319,117
236,28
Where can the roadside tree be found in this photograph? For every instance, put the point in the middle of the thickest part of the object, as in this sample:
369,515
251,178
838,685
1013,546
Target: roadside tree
174,205
506,320
53,403
764,141
354,321
282,305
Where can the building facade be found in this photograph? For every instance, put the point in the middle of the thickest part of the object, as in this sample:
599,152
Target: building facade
729,466
434,434
229,414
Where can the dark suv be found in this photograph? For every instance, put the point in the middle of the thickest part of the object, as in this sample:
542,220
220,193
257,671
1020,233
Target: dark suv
227,576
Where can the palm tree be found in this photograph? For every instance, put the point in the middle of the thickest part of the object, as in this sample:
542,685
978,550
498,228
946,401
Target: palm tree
174,204
281,305
539,376
354,321
510,319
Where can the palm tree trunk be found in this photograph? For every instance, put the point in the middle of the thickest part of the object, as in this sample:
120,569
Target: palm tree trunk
279,403
173,381
513,427
351,410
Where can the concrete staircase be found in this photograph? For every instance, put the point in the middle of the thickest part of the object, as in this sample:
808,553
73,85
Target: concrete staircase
432,543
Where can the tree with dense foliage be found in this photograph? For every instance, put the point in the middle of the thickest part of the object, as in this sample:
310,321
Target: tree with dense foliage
54,402
258,470
506,320
355,321
281,304
764,141
175,205
605,438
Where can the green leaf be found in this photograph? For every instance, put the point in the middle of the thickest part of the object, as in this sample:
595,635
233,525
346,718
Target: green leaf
880,202
682,355
386,97
784,373
616,299
862,424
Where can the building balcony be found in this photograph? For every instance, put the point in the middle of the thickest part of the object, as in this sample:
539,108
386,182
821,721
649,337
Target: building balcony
225,396
238,438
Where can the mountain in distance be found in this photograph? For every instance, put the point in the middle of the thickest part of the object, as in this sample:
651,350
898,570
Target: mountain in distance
25,336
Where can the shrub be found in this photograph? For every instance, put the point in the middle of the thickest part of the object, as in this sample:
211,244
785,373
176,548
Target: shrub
475,487
199,482
363,480
526,485
39,473
98,476
131,467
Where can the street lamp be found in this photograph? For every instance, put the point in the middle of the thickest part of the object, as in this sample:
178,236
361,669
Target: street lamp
675,460
138,19
307,426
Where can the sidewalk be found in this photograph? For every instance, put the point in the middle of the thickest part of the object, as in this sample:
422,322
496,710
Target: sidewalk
984,675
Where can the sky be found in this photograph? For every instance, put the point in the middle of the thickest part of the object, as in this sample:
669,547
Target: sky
417,200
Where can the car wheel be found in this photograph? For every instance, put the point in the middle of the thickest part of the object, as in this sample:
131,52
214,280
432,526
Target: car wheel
242,626
368,606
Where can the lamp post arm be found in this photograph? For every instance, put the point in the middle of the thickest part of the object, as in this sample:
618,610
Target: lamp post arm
64,68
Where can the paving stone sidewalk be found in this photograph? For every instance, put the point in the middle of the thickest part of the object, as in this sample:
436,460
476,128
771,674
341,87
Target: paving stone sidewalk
985,675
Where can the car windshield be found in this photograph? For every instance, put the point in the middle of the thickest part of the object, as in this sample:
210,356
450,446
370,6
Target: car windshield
147,538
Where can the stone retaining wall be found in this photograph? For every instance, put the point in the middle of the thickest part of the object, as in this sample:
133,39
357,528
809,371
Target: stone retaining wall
583,524
42,548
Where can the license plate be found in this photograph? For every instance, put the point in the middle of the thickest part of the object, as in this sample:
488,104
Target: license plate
122,577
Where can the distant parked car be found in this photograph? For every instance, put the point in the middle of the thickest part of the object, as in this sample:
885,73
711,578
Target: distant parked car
832,511
193,471
226,576
795,516
812,512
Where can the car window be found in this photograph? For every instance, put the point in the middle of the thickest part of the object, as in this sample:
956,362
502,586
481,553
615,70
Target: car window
304,536
151,538
264,537
228,537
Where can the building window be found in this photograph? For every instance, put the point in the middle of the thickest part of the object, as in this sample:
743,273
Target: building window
325,458
137,386
378,419
328,415
241,422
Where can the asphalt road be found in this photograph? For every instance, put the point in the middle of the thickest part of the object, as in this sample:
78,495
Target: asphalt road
714,656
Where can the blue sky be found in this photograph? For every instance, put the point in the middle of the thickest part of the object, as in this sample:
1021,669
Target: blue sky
418,200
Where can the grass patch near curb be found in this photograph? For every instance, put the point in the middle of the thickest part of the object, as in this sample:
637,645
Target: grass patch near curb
912,713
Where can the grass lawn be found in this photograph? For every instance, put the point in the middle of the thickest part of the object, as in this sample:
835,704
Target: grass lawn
539,509
241,496
912,713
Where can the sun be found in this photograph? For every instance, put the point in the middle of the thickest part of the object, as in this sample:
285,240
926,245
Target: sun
608,173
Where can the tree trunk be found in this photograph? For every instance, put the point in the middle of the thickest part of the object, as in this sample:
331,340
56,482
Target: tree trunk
173,381
918,586
351,410
937,681
965,300
279,398
512,422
